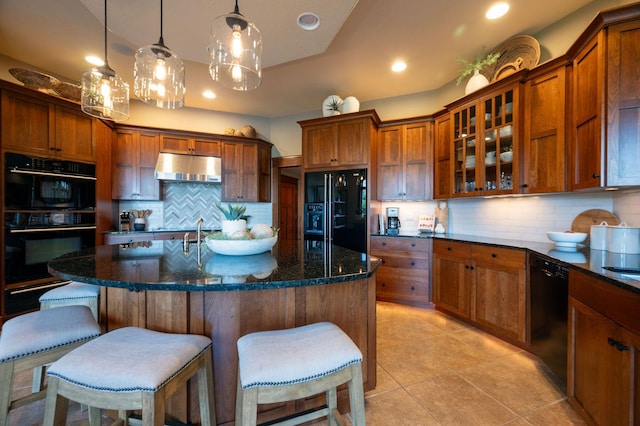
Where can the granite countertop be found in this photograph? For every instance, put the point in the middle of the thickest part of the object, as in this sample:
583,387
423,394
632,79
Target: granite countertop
583,258
162,265
156,231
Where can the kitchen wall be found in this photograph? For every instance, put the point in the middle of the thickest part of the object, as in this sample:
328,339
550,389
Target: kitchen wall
184,203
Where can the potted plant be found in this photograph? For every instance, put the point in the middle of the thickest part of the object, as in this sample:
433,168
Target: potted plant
234,219
473,69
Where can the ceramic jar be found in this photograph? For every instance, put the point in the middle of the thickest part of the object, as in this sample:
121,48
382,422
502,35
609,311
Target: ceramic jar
623,239
598,236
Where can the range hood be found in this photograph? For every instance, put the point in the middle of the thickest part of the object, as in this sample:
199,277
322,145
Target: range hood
188,168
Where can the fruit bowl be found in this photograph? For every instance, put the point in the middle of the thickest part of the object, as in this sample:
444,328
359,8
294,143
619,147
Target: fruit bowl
567,239
241,247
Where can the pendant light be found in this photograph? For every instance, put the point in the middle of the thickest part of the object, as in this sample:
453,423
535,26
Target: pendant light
159,74
104,93
236,52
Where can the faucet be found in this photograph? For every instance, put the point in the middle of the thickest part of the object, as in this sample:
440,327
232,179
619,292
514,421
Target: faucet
186,242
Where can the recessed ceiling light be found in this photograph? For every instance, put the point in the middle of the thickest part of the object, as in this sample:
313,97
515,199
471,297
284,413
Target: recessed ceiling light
94,60
398,66
498,10
209,94
308,21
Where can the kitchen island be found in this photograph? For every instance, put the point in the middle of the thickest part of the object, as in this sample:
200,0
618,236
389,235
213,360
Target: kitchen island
154,284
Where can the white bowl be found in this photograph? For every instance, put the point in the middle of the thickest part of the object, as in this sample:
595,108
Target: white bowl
567,239
507,156
241,247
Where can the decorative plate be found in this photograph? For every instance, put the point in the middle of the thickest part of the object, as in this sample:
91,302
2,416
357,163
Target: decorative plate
516,53
241,247
69,91
34,79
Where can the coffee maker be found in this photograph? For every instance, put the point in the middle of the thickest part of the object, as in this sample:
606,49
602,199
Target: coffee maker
393,220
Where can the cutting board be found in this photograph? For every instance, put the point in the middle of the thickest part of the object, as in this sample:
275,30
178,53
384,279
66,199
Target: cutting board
583,222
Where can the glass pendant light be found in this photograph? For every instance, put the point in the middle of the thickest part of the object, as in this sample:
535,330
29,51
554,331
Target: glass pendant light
159,74
104,93
236,52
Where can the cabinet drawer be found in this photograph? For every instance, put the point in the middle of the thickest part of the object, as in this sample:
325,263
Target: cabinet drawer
400,243
452,248
402,288
406,264
502,256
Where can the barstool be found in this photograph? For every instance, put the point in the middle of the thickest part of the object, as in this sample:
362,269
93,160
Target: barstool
290,364
131,369
73,293
36,339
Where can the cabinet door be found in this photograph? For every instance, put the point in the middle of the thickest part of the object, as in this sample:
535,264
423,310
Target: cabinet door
442,170
585,159
74,135
623,104
599,373
464,134
352,143
232,183
206,147
319,146
177,144
390,185
417,160
544,132
451,279
26,124
149,186
124,182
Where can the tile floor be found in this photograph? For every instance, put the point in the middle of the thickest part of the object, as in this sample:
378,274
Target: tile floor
432,370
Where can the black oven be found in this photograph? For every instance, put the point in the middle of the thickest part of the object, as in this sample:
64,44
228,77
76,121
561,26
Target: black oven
49,210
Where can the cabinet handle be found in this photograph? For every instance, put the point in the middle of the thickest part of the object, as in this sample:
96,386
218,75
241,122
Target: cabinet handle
466,266
384,285
494,255
596,175
413,263
618,345
412,288
449,248
524,185
384,244
413,244
471,267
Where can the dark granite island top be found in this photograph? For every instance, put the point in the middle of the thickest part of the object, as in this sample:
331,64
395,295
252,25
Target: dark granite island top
162,265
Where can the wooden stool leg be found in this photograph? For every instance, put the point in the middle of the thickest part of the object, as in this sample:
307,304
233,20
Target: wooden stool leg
356,396
206,391
95,416
6,376
56,406
331,396
246,406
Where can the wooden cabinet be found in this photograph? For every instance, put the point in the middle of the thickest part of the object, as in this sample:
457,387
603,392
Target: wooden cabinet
604,340
442,155
342,141
135,153
246,171
405,161
405,274
33,125
485,134
545,128
484,284
184,144
605,142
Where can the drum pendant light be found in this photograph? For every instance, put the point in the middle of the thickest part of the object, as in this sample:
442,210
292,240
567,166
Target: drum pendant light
159,74
236,52
104,93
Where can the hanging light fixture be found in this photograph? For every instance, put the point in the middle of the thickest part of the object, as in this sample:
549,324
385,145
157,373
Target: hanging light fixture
104,93
159,74
236,51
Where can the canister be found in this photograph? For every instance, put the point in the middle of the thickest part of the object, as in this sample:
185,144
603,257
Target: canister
623,239
598,236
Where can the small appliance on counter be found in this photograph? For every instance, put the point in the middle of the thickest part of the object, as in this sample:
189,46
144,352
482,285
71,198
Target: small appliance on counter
393,220
125,221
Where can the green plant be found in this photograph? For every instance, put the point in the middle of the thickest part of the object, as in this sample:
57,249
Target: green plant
232,212
476,65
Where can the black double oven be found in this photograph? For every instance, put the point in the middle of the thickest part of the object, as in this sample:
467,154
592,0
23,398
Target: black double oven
49,208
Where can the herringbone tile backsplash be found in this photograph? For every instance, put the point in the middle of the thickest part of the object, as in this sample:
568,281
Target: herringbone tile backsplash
184,203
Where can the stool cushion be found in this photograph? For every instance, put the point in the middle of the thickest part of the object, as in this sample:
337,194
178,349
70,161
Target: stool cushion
295,355
71,291
40,331
129,359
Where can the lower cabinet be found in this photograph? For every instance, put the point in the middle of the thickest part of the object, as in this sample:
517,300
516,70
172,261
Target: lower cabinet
404,276
484,284
604,340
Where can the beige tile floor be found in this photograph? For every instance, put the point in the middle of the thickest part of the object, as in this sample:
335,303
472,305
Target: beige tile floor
432,370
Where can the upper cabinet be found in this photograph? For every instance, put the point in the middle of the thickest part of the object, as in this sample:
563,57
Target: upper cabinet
192,145
604,145
134,156
442,155
342,141
405,161
246,171
485,134
34,125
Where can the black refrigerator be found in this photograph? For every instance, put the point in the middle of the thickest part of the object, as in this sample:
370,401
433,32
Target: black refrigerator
335,209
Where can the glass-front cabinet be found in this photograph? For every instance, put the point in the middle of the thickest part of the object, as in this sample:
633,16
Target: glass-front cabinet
485,144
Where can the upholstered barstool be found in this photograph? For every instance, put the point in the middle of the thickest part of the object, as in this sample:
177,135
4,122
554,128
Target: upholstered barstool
131,369
285,365
36,339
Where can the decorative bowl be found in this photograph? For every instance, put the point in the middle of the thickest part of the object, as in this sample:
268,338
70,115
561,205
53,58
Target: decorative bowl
567,239
506,157
241,247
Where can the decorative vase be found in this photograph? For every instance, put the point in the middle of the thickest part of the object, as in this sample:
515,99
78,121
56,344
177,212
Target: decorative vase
231,226
350,104
331,106
139,224
477,81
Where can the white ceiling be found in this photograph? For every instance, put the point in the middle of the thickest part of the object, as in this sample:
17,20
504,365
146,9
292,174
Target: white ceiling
350,54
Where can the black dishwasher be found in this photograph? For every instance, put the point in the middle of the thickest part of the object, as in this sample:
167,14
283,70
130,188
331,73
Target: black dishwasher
549,293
